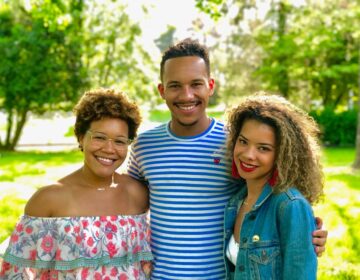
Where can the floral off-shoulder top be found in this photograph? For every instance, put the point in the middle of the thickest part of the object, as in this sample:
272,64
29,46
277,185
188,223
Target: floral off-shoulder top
105,247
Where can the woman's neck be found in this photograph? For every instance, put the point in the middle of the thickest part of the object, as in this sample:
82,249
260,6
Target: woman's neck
91,180
254,189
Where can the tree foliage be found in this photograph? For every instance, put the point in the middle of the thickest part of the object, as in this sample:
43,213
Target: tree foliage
54,50
40,65
305,52
327,57
113,56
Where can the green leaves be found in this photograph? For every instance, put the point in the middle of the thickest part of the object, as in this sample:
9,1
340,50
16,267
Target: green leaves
41,65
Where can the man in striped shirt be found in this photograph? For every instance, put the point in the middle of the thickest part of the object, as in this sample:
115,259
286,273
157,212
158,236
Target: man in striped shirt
185,165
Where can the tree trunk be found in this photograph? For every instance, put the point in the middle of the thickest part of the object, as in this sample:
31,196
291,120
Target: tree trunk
13,135
356,164
284,82
21,120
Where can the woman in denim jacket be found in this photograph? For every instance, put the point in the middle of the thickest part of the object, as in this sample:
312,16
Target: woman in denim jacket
268,224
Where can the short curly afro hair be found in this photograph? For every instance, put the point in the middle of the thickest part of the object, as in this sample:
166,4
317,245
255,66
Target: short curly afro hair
102,103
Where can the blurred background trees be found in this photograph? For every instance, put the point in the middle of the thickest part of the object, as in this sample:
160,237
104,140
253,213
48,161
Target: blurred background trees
308,51
41,67
51,51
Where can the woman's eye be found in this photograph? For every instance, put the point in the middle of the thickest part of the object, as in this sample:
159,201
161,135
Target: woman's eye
99,137
120,142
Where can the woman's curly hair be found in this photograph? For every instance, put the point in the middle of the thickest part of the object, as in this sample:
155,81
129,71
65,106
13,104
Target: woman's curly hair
102,103
297,158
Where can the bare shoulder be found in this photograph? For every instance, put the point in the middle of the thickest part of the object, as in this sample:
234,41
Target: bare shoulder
134,186
44,200
136,190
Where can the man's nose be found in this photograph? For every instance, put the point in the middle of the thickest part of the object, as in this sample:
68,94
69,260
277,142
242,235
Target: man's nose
188,91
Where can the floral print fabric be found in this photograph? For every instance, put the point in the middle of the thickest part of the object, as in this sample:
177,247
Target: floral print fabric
106,247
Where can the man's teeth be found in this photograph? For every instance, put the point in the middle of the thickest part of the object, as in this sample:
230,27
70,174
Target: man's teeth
186,107
105,159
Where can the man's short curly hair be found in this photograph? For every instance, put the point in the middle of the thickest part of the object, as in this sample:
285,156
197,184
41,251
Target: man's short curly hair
186,47
296,133
102,103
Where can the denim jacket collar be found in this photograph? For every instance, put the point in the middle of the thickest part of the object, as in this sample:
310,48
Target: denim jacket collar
265,194
238,198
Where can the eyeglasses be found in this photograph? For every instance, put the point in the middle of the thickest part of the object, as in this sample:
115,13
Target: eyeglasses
100,139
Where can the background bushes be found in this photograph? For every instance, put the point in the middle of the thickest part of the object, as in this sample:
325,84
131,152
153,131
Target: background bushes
338,128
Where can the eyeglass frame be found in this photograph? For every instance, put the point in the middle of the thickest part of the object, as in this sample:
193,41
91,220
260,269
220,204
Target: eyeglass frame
103,142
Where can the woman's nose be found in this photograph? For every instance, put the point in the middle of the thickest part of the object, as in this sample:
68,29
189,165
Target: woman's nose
250,152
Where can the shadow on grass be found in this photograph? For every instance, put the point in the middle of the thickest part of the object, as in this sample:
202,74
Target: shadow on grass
165,115
15,164
349,179
335,156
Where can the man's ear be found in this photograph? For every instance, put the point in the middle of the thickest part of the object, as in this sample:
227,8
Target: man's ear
161,90
212,86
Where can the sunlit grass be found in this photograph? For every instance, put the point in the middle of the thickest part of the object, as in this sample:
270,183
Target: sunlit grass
22,173
10,210
340,211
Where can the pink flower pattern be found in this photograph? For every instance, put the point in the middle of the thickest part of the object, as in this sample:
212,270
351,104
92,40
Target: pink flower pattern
47,244
119,244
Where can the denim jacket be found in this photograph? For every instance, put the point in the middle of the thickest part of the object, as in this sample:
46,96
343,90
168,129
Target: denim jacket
275,237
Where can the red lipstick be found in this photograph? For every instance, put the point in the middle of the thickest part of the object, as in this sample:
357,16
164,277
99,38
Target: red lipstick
245,168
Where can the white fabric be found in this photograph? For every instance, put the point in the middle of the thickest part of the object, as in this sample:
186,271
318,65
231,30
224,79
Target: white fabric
232,250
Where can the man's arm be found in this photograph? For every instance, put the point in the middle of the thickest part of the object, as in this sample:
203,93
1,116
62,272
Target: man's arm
319,237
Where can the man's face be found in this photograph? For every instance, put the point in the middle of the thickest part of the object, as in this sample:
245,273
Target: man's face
186,89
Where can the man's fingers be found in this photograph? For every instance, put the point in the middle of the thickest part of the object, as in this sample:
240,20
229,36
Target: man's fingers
319,222
319,249
320,234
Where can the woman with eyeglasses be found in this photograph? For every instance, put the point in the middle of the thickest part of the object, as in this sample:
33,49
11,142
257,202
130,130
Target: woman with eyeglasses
91,224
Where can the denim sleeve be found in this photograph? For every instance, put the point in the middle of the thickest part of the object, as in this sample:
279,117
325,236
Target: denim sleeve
296,224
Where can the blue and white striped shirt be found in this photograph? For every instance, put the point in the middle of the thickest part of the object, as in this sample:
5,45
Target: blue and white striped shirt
190,182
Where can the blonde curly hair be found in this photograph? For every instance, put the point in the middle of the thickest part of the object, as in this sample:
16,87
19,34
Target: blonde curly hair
297,149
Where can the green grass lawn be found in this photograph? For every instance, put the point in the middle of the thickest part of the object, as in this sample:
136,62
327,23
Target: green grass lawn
22,172
340,211
165,115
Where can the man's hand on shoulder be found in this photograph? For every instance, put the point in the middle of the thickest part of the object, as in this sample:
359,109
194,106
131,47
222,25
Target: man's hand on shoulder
319,237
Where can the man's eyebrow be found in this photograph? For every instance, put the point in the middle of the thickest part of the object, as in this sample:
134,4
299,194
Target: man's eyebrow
172,82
